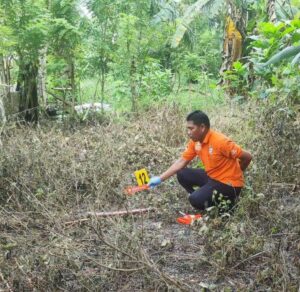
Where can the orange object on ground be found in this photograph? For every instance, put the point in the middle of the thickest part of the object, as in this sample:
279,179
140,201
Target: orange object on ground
188,219
134,189
220,157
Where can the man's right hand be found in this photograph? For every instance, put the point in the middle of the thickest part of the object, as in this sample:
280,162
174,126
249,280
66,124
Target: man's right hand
154,181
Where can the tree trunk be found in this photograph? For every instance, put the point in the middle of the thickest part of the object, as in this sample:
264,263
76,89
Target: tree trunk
27,85
133,86
72,81
235,33
42,76
102,86
4,89
271,11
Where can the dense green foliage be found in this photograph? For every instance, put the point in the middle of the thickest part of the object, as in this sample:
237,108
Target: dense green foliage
123,47
272,69
132,54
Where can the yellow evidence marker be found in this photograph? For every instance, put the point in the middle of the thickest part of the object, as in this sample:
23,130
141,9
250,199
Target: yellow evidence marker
141,176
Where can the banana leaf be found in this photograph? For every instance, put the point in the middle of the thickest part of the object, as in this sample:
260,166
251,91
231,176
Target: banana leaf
211,7
284,54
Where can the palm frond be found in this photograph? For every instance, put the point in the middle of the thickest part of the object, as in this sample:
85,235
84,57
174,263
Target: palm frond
168,12
210,7
284,10
285,53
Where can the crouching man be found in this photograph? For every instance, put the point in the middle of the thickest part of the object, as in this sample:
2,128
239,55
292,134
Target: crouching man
223,160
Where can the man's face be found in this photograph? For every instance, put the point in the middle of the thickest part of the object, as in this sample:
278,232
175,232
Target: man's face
195,132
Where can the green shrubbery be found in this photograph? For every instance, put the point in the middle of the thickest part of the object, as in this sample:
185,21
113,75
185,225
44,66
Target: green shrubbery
272,69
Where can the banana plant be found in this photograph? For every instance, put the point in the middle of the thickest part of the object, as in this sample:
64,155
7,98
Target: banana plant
288,52
201,6
168,11
235,23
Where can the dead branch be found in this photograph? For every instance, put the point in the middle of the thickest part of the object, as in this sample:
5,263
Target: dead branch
101,237
67,103
280,184
120,213
110,214
249,258
77,221
290,186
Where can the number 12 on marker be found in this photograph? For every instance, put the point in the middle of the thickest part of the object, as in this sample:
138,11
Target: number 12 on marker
141,176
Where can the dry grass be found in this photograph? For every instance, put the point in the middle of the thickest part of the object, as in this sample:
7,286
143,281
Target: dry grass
54,174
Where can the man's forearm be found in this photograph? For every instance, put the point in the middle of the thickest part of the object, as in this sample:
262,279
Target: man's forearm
244,165
174,168
245,160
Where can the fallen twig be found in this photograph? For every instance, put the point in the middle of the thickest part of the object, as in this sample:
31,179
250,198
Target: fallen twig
120,213
280,184
249,258
65,102
109,214
292,186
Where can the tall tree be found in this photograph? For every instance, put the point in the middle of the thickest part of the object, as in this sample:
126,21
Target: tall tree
66,38
29,21
271,10
102,39
6,43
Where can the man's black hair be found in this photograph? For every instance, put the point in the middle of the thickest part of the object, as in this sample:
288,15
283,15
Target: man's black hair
198,118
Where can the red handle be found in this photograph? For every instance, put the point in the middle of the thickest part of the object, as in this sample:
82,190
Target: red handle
134,189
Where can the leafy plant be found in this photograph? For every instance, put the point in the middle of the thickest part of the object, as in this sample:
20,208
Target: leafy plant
271,69
236,80
155,81
275,43
287,52
191,65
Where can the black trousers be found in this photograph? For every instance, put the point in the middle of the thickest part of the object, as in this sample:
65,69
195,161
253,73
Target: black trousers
210,193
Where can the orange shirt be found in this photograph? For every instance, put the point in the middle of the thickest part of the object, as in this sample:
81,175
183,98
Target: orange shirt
219,156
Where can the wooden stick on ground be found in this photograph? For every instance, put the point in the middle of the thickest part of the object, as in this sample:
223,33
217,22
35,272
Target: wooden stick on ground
109,214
